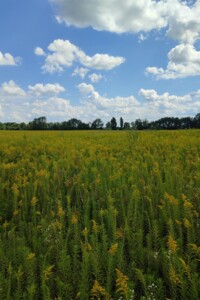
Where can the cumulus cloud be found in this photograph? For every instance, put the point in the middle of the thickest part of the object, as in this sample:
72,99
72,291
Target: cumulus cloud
114,16
101,61
85,88
184,61
116,103
54,107
41,89
82,72
8,60
1,111
150,104
153,96
11,89
179,18
95,77
171,105
183,21
63,54
39,51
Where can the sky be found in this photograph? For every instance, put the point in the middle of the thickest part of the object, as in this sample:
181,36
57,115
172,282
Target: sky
90,59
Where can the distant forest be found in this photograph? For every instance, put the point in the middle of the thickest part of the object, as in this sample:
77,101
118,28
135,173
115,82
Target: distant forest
167,123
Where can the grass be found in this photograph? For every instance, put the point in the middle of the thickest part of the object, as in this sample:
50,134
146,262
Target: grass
100,215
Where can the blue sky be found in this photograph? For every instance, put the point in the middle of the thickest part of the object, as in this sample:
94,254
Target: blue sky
98,59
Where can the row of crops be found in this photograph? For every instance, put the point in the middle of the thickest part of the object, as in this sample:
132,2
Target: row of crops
100,215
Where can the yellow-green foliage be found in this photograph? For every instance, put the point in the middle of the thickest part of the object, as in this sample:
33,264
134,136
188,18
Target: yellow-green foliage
100,215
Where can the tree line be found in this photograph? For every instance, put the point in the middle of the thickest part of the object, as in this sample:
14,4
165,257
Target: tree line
166,123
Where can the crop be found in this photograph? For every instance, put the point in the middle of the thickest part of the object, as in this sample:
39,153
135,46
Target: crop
100,215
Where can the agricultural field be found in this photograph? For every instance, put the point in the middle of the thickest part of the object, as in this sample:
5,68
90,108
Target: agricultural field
100,215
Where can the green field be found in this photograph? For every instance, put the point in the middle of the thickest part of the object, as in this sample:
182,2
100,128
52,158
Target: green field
100,215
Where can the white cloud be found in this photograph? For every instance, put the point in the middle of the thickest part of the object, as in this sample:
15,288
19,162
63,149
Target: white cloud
152,105
179,18
184,61
152,95
183,21
170,105
55,106
1,111
101,61
85,88
8,60
82,72
114,16
41,89
115,104
142,38
64,54
11,89
95,77
39,51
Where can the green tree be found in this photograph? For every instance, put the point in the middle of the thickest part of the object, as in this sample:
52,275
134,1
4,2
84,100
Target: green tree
113,123
121,123
108,125
97,124
39,123
127,125
196,121
138,124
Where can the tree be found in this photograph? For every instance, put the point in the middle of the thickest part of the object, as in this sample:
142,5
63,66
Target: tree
196,121
138,124
127,125
145,124
121,123
132,125
185,123
108,125
113,123
39,123
97,124
74,123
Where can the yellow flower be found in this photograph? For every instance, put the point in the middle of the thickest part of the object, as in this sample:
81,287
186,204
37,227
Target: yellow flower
31,256
173,276
34,200
58,225
74,219
5,224
48,272
15,213
172,244
171,199
121,283
89,247
97,291
113,249
119,233
178,222
60,212
95,226
85,232
15,190
20,203
187,223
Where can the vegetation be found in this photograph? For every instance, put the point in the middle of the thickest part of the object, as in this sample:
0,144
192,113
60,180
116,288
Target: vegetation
166,123
99,215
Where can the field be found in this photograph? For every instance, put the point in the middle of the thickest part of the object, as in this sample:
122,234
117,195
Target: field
100,215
